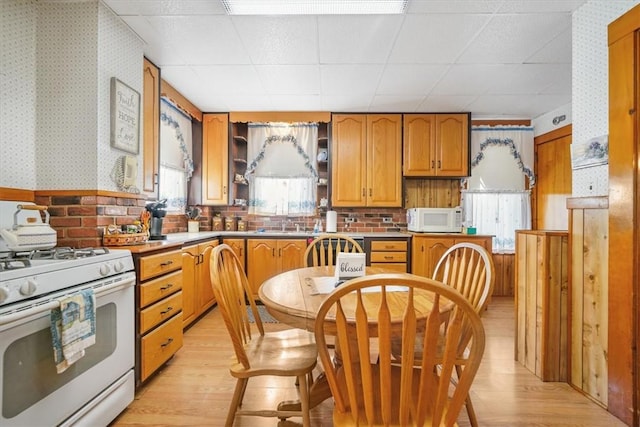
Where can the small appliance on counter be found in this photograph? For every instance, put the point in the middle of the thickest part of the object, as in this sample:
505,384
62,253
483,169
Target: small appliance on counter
158,211
435,220
28,231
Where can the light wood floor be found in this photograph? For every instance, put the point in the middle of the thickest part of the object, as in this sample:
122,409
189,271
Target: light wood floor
194,389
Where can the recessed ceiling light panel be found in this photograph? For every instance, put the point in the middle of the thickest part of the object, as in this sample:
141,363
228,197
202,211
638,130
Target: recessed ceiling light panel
314,7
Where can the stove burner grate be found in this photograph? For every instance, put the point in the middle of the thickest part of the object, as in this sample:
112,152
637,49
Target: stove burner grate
19,259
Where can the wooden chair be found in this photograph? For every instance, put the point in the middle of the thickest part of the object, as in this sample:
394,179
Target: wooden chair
469,269
324,249
385,392
286,353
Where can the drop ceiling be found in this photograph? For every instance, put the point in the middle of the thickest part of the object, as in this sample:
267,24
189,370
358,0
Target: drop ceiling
496,58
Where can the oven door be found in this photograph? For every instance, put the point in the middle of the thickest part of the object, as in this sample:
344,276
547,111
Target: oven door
31,392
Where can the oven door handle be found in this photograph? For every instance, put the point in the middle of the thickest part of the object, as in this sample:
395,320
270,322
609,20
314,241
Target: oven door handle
50,305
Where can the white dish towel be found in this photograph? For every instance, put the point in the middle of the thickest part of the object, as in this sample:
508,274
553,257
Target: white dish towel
73,328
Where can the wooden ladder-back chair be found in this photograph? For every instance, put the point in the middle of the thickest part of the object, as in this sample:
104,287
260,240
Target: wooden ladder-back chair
290,353
386,392
324,249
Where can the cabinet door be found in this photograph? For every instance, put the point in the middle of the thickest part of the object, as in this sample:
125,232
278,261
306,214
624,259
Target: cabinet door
190,256
261,262
348,160
419,145
151,126
384,160
291,254
452,132
426,252
205,296
237,245
215,159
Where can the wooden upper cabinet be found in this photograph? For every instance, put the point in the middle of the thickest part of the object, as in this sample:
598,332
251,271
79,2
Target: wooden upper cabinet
215,159
366,160
436,145
151,126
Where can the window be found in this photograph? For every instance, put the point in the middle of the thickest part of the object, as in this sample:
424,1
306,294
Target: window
176,164
282,170
496,200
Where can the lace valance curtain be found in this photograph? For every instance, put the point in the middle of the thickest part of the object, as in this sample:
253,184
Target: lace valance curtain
282,170
176,161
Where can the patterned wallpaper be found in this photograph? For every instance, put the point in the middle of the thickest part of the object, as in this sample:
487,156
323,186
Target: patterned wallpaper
17,94
590,95
58,60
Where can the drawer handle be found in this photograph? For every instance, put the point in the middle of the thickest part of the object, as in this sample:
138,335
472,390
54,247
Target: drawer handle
166,311
166,343
388,257
389,247
166,263
164,288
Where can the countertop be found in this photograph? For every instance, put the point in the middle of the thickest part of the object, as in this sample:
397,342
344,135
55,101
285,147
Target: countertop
177,240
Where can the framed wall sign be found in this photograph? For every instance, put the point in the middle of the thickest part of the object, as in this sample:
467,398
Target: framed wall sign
125,117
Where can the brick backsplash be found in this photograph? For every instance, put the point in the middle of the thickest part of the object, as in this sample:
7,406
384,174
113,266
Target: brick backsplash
80,220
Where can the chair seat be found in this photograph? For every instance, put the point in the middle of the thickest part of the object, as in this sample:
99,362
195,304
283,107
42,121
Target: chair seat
284,353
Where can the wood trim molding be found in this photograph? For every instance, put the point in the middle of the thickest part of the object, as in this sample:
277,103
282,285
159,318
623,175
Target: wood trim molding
501,122
280,116
17,194
598,202
624,25
176,97
103,193
554,134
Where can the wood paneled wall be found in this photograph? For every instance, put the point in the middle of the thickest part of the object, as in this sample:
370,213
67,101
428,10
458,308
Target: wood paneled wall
589,251
505,274
431,193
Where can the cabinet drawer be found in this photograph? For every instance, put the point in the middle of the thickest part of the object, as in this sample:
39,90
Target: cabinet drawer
389,245
158,346
388,257
155,265
159,288
160,311
399,267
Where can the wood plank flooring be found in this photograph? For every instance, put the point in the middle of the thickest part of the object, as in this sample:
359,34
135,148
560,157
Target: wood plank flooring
195,388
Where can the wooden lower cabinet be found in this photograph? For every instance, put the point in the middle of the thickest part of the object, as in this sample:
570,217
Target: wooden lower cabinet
388,254
427,249
238,246
541,303
158,310
268,257
197,293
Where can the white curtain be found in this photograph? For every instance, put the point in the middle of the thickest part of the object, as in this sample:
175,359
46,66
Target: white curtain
276,186
176,156
498,214
496,201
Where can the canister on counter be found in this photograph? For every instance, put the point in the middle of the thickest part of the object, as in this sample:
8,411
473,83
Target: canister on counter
217,223
242,224
230,223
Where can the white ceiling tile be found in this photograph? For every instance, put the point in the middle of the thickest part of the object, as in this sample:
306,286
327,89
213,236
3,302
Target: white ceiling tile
529,79
538,6
453,6
435,39
470,79
249,103
350,79
510,39
165,7
296,102
410,79
202,39
357,39
279,39
516,105
446,103
557,51
229,79
346,102
290,79
395,103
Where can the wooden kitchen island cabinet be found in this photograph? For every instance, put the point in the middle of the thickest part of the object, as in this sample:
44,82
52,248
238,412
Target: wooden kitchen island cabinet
158,310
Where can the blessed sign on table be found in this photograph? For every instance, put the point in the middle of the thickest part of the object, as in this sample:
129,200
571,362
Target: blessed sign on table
125,117
349,265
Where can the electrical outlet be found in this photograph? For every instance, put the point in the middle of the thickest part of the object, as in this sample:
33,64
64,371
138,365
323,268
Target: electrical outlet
387,220
349,220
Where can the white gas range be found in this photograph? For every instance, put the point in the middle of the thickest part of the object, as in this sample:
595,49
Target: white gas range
97,387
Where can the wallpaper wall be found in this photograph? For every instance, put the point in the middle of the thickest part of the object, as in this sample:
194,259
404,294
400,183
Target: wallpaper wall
55,82
590,95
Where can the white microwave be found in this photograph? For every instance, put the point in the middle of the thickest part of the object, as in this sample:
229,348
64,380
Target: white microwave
435,220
